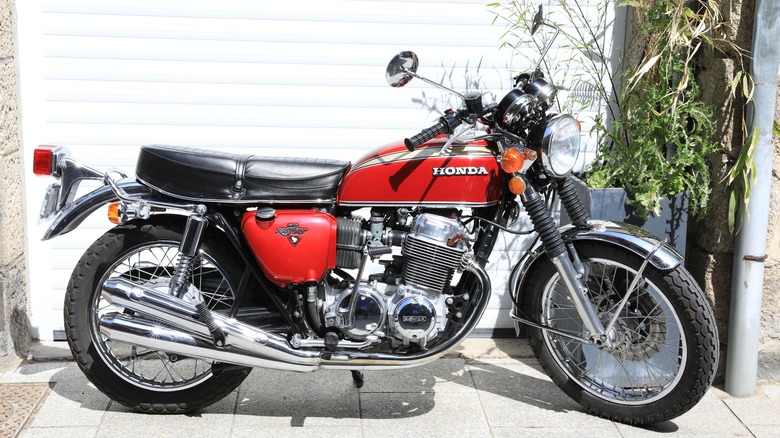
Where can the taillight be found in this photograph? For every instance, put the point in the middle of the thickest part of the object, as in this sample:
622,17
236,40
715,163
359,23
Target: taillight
43,158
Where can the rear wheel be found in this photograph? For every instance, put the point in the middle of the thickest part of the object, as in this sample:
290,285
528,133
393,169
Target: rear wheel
663,348
149,381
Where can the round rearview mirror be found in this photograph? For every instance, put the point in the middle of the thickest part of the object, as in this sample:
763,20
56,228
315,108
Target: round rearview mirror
538,19
401,69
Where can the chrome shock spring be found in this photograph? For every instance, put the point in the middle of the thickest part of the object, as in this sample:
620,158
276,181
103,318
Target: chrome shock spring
181,275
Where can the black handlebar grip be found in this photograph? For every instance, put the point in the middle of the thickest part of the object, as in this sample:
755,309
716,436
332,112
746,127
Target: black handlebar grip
425,135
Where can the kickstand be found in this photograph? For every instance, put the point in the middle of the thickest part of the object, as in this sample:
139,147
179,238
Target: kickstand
357,377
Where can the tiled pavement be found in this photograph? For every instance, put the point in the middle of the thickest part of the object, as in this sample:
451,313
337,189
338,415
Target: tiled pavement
481,391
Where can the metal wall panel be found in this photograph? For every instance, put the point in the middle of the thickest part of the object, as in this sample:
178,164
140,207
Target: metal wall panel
269,78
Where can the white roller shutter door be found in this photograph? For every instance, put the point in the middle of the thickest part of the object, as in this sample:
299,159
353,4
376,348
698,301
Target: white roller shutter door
299,78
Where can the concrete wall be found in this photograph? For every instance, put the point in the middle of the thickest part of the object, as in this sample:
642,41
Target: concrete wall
14,308
710,243
770,322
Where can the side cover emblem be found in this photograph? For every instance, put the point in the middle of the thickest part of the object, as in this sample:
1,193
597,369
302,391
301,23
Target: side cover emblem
293,233
458,171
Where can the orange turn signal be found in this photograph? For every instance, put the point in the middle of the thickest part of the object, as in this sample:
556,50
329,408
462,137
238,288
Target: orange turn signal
517,185
513,160
113,213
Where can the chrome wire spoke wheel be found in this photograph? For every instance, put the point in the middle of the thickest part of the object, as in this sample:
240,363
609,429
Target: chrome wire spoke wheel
152,265
646,354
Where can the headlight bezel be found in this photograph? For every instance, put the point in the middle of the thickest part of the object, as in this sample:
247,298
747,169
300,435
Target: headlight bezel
557,161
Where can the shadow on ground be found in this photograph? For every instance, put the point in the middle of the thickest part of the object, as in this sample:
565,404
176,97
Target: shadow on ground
447,387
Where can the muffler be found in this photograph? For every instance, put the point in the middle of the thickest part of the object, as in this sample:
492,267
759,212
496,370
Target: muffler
180,331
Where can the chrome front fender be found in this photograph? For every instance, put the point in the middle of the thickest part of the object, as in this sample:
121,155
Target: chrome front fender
623,235
74,214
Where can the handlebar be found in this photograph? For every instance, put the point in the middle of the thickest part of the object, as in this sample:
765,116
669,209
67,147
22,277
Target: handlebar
445,125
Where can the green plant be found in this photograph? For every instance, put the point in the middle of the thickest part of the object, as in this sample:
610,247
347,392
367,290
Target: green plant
656,135
589,76
739,176
660,144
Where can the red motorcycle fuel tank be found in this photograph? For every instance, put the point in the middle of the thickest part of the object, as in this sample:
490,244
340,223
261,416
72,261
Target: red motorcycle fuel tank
466,175
295,246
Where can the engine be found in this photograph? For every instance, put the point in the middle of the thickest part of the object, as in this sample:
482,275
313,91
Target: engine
407,302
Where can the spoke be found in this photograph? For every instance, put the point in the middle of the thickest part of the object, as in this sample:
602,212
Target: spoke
158,263
151,265
646,360
628,376
652,375
670,353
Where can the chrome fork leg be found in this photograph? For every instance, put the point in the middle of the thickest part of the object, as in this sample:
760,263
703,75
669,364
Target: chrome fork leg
578,293
561,256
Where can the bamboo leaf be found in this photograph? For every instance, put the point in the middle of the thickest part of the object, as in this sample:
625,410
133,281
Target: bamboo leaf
776,128
735,82
732,211
645,68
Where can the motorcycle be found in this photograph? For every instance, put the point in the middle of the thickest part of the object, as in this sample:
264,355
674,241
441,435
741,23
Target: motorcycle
220,263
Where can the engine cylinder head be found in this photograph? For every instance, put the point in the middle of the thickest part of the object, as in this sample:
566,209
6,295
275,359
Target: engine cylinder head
433,251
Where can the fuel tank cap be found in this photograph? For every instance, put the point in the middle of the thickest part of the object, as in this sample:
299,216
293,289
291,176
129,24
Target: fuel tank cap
265,214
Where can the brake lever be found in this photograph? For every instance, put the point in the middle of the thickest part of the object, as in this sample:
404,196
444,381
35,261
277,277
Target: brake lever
454,137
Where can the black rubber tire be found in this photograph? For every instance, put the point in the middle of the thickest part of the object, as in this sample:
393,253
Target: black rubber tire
697,323
80,296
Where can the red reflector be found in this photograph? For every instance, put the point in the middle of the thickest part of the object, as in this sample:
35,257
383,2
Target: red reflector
42,159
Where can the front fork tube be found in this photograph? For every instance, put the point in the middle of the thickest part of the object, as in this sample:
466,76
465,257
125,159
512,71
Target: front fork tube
566,262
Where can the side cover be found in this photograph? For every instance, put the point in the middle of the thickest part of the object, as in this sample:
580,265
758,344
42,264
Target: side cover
295,246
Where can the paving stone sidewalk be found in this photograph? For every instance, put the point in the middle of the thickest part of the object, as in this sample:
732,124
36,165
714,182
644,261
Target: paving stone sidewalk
487,388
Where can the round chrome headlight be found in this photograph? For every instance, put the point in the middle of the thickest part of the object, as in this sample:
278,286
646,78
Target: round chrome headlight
561,144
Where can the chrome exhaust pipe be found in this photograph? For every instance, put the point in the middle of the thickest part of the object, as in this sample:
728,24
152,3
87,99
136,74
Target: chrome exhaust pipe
179,331
244,344
154,336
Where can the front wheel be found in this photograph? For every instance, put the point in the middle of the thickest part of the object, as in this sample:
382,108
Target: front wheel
662,353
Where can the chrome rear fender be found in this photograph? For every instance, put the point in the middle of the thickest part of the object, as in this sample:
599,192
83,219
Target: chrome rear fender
74,214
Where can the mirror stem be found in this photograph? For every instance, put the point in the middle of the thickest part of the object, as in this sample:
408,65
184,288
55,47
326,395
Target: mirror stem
435,84
549,44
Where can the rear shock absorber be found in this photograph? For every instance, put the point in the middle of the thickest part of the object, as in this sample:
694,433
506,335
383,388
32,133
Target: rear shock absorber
571,202
188,250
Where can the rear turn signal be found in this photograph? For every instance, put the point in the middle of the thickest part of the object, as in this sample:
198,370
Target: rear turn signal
512,161
113,213
517,185
42,159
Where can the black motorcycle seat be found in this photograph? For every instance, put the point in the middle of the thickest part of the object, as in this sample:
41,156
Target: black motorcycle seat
211,176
